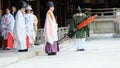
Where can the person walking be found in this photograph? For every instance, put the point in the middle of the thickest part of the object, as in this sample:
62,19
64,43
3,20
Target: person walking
80,40
35,24
21,40
29,20
7,26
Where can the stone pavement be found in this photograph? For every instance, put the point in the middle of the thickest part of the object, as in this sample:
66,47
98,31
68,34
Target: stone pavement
102,51
8,57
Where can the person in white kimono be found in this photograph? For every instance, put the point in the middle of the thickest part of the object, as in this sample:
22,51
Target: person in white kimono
29,20
7,25
35,25
50,30
20,34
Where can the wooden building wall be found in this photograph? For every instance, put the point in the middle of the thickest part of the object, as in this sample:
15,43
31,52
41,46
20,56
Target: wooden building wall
0,10
64,9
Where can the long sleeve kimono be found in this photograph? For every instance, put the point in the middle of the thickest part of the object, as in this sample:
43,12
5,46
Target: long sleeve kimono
80,34
29,20
51,36
20,32
7,25
75,21
35,26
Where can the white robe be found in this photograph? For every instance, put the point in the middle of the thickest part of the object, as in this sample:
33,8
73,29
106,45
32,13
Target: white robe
29,20
35,26
20,32
10,25
50,28
80,43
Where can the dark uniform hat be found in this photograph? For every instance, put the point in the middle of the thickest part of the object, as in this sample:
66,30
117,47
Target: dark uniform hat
79,10
50,4
23,4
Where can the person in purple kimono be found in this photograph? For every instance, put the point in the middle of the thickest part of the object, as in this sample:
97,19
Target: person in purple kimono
50,30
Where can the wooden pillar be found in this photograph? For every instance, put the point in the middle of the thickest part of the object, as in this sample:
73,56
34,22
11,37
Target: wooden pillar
0,10
67,4
0,19
106,3
37,2
65,8
93,1
9,3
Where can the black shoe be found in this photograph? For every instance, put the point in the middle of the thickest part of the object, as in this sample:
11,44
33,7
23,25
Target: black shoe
50,54
6,48
25,50
53,53
80,50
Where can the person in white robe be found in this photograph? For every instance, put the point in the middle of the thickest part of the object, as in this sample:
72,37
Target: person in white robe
35,25
50,29
20,34
29,20
7,25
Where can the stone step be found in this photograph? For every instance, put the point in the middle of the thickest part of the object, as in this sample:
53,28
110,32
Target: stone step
13,56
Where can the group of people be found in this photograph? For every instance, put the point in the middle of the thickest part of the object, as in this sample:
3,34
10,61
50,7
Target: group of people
18,28
51,27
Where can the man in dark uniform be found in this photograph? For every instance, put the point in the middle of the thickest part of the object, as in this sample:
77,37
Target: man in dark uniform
80,40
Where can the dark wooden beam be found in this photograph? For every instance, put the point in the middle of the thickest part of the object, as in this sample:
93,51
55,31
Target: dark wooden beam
0,10
106,3
37,2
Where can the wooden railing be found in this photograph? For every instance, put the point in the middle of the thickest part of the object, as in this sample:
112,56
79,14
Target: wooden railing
104,12
61,33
